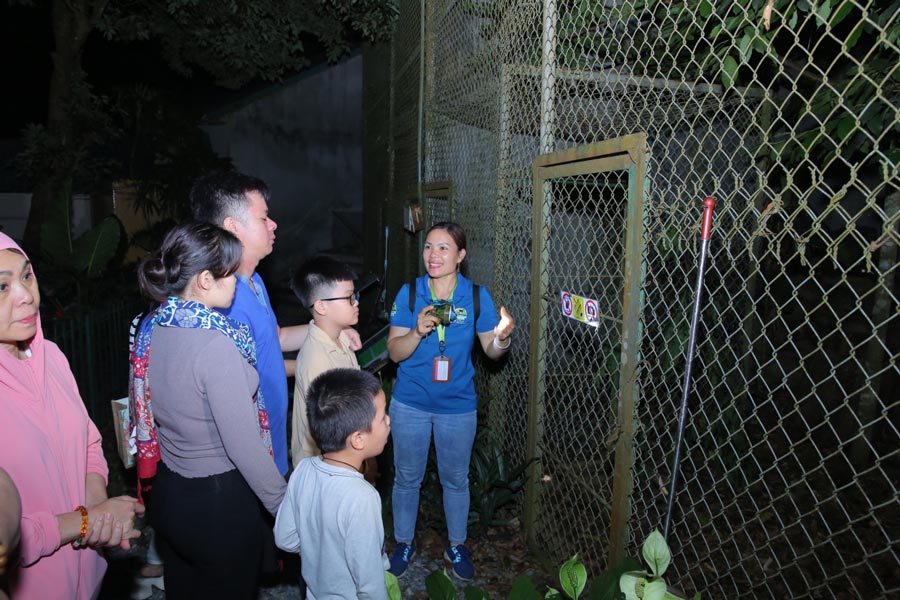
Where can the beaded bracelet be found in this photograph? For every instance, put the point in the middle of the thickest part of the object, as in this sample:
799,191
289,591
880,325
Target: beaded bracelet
84,526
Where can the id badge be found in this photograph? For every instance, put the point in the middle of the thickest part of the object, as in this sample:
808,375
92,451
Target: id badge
441,371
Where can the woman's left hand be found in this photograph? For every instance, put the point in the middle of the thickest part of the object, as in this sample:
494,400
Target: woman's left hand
505,327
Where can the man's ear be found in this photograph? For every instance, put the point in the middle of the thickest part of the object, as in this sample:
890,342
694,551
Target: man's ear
357,441
230,224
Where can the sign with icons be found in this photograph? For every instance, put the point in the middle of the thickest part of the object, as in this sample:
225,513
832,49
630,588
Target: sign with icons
579,308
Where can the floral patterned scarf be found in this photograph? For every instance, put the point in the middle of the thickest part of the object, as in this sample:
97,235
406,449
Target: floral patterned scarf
190,315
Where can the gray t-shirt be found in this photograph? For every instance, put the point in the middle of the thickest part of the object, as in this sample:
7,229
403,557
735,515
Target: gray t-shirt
332,517
201,390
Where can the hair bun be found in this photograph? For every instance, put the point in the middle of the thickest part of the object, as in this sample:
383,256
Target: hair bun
172,266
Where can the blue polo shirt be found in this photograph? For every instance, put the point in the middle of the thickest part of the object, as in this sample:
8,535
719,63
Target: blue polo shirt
415,386
256,311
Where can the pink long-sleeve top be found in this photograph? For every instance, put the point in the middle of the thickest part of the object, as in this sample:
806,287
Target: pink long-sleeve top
48,445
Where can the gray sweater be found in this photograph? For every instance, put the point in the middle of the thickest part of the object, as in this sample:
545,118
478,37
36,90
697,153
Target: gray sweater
332,516
201,390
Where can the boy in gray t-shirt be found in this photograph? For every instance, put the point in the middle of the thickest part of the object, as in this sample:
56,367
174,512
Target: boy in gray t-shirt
330,514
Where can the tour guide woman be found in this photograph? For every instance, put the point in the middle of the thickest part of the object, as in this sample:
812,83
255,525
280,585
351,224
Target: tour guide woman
52,452
435,389
205,436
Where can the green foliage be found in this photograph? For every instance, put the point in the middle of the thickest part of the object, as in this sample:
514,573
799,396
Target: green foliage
573,577
86,256
393,586
493,484
640,585
657,554
438,586
70,269
475,593
237,42
606,585
839,86
162,148
523,589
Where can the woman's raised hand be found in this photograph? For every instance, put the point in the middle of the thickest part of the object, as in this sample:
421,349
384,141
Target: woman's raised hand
112,522
426,321
506,325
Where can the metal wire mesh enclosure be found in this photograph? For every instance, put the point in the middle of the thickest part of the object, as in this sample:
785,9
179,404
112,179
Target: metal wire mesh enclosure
575,141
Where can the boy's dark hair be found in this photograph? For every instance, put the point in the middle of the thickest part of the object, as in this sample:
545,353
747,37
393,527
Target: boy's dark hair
338,403
316,276
222,194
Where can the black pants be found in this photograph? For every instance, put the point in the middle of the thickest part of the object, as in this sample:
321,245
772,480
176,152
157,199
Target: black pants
213,533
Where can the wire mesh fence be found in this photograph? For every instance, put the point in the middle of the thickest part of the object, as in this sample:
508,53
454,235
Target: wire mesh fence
788,113
96,346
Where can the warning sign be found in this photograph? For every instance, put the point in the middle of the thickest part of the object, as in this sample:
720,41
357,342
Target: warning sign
579,308
591,312
566,304
578,311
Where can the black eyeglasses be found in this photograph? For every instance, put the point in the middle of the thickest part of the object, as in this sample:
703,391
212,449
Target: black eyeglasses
353,298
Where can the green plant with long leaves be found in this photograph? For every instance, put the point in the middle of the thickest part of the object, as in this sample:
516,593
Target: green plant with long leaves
493,483
70,266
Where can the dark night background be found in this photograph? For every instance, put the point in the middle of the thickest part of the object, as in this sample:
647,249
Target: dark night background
27,45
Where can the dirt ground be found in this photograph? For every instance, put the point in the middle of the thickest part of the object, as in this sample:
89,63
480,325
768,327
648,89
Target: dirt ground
500,554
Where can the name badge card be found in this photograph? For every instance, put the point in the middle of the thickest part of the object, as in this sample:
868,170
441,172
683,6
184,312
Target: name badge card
441,372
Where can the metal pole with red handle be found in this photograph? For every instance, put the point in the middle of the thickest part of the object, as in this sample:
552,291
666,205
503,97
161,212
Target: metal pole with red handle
709,204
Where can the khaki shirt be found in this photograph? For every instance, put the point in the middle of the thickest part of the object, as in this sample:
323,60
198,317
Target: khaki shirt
318,354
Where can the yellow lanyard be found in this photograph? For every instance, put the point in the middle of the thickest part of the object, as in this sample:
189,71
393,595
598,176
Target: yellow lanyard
441,330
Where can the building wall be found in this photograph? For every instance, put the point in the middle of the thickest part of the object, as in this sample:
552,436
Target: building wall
304,138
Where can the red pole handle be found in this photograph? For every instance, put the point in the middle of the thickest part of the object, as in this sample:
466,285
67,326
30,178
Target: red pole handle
709,203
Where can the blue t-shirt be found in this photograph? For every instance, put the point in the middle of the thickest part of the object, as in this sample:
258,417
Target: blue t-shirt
415,386
257,313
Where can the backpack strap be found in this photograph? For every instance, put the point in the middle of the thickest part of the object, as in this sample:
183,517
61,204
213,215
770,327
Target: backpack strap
412,297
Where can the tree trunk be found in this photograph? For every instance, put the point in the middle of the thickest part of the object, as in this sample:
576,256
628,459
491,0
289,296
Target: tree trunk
72,21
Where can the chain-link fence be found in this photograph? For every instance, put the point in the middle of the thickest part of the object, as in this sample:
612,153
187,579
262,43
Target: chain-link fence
787,112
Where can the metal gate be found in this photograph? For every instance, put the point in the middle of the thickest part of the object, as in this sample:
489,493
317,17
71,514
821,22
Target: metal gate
588,235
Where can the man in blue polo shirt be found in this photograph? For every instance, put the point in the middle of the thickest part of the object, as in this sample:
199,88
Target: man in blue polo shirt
239,204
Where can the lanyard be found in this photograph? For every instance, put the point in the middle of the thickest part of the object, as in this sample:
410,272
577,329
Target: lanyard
441,330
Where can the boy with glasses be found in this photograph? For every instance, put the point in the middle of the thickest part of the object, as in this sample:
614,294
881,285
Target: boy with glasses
324,286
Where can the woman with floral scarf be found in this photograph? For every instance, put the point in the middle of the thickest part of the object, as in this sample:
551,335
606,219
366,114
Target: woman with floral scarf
201,426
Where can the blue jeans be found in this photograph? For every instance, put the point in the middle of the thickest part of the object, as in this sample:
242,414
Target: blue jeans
454,435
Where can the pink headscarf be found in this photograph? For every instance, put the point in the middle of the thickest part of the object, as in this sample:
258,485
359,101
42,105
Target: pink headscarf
18,377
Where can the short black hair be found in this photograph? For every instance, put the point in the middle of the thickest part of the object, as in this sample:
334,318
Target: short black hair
338,403
223,194
316,276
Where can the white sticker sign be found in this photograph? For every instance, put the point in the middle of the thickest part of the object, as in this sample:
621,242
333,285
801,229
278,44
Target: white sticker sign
591,312
579,308
566,299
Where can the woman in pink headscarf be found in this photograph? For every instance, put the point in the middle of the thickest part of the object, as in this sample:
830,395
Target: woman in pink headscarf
52,452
